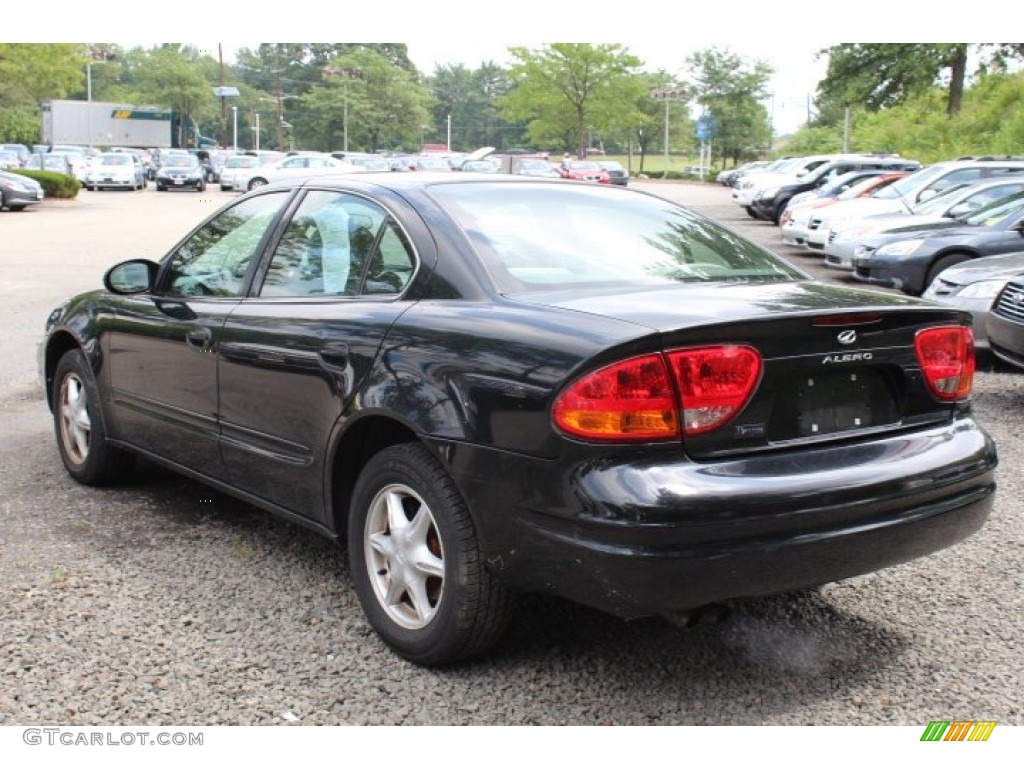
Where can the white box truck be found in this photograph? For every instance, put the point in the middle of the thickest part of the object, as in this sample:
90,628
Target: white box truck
105,124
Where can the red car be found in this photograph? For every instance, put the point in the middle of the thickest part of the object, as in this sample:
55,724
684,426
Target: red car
584,170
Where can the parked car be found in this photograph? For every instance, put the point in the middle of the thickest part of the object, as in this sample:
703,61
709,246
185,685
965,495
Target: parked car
57,162
20,150
791,169
115,170
481,165
730,176
906,193
464,377
237,171
9,159
910,258
584,170
772,197
180,172
300,166
973,286
536,167
618,175
1006,324
429,163
17,192
795,223
954,202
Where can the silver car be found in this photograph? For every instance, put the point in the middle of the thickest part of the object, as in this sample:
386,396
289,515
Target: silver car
973,286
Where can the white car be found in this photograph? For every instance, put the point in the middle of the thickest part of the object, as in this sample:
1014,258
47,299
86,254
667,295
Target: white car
237,171
115,170
743,194
293,167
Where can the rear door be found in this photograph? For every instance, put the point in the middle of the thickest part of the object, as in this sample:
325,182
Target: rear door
293,354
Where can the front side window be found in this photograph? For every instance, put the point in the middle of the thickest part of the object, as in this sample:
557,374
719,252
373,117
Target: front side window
214,260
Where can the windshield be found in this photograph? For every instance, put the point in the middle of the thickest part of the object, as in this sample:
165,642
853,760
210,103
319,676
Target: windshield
997,212
936,206
113,160
905,187
863,187
548,236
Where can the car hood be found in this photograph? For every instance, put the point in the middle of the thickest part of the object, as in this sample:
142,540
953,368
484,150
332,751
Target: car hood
667,308
1002,267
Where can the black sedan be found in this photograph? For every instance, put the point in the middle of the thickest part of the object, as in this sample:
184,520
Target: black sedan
490,384
910,258
181,172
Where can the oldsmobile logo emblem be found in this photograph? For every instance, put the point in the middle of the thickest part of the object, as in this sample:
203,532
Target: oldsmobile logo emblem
847,337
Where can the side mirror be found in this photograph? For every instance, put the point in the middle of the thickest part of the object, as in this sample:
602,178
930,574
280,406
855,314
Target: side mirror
131,277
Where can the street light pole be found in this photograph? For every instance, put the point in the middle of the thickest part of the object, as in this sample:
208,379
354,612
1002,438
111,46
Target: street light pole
234,120
666,95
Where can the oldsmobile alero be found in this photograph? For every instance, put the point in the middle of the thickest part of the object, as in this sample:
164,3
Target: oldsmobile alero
493,385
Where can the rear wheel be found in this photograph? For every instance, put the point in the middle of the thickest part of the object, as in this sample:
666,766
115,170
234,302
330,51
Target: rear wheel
416,562
80,427
257,182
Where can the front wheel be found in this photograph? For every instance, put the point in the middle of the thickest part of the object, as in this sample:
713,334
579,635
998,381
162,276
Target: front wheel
941,264
416,562
79,425
257,182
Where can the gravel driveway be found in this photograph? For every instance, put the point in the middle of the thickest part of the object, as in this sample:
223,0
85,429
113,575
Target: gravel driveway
161,602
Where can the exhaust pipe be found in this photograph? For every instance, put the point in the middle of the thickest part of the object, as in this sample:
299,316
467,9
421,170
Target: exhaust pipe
712,613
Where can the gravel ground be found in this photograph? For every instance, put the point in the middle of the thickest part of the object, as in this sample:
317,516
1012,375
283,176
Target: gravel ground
160,602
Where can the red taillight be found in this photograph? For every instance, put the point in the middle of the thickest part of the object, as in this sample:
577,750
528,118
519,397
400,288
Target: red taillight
946,356
631,400
714,383
637,399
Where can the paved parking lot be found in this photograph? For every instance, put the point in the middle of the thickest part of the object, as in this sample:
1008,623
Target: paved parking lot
162,602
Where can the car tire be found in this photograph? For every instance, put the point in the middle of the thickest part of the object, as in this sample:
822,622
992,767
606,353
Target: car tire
223,188
257,182
750,212
425,590
938,266
161,188
80,426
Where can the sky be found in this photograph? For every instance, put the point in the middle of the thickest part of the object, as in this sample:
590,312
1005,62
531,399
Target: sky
438,32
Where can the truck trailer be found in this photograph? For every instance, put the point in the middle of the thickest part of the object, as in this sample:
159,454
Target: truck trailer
105,124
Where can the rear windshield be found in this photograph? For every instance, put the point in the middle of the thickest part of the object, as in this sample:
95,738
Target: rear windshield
532,236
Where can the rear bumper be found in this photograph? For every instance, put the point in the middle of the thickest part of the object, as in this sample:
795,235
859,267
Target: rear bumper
651,535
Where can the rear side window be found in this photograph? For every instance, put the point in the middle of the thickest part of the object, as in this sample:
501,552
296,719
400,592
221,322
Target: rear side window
338,244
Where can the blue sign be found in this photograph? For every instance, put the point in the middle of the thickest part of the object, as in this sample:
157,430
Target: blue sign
706,127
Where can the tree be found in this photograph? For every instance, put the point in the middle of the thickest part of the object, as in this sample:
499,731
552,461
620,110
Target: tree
170,76
33,73
566,89
879,75
385,104
732,91
469,98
